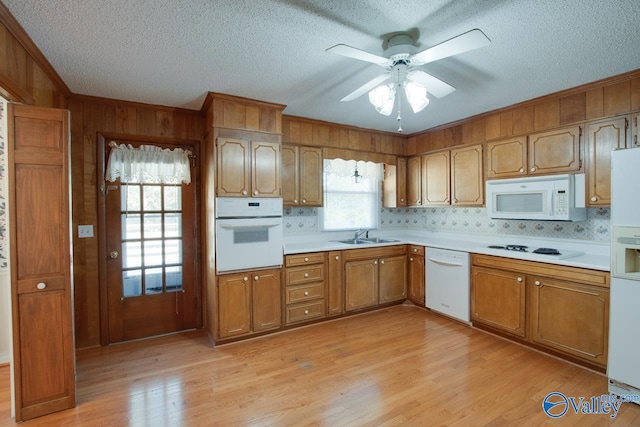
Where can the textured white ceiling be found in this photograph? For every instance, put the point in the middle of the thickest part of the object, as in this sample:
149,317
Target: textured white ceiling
172,52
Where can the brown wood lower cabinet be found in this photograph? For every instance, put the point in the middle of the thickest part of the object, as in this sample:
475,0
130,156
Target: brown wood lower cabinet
416,275
335,284
248,302
392,279
305,287
564,309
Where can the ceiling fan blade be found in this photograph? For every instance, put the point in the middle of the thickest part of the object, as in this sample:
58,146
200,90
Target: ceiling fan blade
352,52
465,42
366,87
434,85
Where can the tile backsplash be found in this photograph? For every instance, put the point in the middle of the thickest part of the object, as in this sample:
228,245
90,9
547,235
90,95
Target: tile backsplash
459,219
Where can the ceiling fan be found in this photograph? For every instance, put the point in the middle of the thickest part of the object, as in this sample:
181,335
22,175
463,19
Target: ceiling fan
401,62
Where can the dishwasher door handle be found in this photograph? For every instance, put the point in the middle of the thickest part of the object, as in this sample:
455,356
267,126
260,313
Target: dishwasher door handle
442,262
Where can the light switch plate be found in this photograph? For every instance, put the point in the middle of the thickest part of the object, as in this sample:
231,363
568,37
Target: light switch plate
85,231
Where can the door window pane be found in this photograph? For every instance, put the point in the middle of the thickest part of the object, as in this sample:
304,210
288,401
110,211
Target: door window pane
152,226
153,281
152,197
131,283
172,198
131,255
152,252
173,225
130,195
130,226
173,251
173,278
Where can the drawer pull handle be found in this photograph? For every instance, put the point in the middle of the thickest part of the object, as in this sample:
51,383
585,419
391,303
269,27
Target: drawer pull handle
337,257
306,259
256,278
245,278
41,285
410,259
306,312
306,293
306,274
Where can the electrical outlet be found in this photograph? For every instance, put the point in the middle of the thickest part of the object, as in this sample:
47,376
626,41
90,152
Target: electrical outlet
85,231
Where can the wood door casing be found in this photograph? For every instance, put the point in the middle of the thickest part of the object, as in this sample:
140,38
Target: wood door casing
233,168
554,151
506,158
392,278
602,137
498,299
467,185
40,221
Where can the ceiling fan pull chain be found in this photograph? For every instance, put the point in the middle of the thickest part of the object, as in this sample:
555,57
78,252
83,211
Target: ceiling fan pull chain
399,117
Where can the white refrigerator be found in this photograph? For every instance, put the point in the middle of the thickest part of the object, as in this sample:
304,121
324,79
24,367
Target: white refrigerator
623,367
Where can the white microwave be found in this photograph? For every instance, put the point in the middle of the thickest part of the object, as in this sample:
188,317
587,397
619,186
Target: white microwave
551,198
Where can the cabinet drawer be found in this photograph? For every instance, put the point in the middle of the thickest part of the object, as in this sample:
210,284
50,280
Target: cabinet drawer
304,259
312,273
305,311
416,250
304,292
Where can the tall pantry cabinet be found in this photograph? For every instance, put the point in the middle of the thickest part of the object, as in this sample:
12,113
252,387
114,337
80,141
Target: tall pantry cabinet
41,288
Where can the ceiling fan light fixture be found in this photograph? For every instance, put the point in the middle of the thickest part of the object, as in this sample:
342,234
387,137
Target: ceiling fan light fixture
383,97
416,95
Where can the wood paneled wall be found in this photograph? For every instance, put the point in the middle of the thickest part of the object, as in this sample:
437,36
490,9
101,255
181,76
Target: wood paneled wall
233,112
90,116
343,141
25,74
605,98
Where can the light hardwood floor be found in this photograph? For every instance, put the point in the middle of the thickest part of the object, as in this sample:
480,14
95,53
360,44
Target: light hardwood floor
397,366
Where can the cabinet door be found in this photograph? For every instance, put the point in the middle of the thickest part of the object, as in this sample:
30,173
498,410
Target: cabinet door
233,168
401,181
555,151
290,175
602,137
435,172
361,284
311,176
467,185
266,305
416,279
335,299
234,305
507,158
570,317
414,181
635,142
389,187
498,299
265,169
393,279
43,348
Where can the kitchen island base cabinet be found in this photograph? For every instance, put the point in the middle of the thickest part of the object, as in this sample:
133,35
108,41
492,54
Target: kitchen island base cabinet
248,302
498,300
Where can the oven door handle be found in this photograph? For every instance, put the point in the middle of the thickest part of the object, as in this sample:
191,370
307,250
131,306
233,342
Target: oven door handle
248,227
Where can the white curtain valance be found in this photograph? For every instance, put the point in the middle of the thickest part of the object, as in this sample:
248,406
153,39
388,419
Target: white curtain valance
148,164
340,167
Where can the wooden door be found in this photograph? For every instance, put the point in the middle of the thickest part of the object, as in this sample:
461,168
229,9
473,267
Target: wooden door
151,250
467,185
570,317
43,347
335,286
234,304
233,168
435,181
556,151
311,176
506,158
416,277
266,304
414,181
265,169
290,175
401,182
498,299
392,278
361,284
602,137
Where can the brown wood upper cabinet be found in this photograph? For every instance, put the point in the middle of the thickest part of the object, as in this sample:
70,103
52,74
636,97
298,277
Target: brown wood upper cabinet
395,184
602,137
556,151
301,175
414,181
436,188
247,168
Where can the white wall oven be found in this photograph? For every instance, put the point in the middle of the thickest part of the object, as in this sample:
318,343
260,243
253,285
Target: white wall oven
248,233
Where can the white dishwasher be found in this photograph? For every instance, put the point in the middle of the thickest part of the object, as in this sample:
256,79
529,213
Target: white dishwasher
447,282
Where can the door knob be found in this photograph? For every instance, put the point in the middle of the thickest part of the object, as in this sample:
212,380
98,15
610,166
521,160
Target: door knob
113,254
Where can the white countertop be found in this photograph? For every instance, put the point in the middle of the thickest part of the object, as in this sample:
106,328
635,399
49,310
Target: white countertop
595,254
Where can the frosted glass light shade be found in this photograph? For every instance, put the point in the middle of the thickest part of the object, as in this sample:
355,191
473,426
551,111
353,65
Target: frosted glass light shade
383,97
416,95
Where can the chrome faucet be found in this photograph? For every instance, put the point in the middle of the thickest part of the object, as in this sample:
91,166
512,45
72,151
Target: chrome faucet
360,232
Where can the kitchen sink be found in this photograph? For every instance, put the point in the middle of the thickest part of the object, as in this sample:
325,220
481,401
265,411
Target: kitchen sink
380,240
355,241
